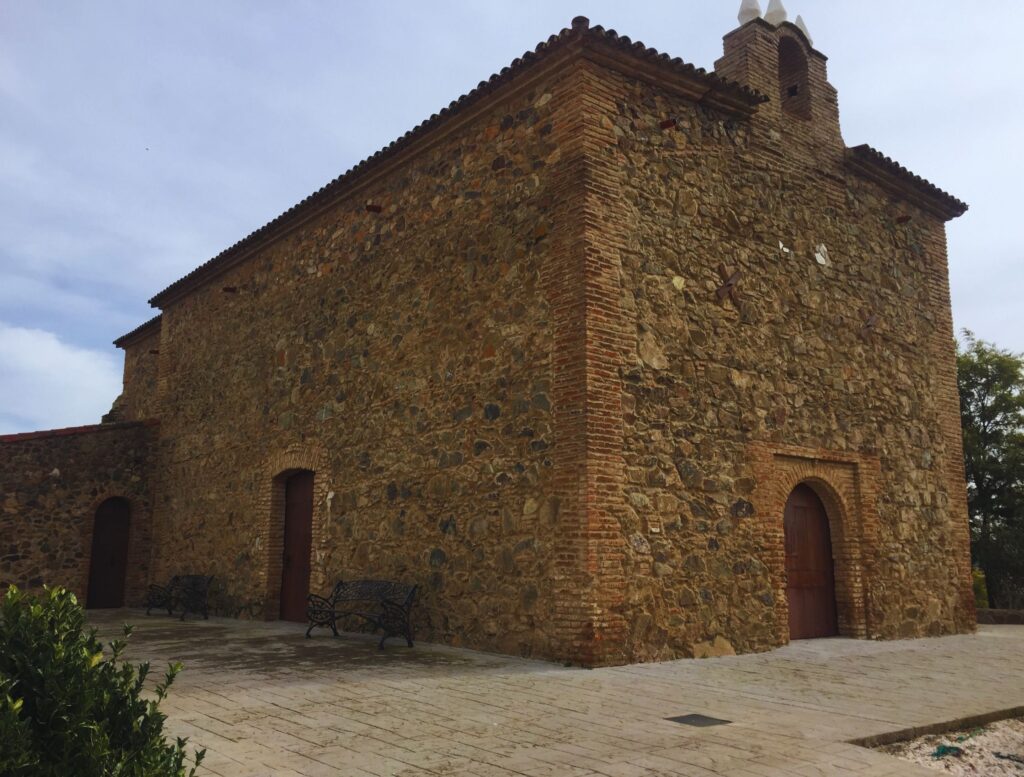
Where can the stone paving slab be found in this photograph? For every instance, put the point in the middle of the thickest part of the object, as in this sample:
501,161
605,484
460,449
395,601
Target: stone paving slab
265,701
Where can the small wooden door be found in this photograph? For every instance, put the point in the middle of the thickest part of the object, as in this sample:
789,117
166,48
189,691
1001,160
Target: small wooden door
298,545
108,560
810,576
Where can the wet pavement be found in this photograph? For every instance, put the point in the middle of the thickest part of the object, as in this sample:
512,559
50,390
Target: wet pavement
266,701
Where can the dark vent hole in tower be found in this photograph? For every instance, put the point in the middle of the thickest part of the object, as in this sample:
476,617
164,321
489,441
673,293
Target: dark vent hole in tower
793,79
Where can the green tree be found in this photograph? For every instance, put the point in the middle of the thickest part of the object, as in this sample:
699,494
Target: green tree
68,708
991,383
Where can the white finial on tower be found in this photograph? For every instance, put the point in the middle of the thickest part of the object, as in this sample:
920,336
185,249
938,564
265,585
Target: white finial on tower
803,28
776,13
749,10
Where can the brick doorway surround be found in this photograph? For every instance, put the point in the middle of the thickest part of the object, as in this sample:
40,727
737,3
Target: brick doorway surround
276,472
139,546
847,484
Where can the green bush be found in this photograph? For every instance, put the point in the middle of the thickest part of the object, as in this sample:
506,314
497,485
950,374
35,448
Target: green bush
980,589
66,709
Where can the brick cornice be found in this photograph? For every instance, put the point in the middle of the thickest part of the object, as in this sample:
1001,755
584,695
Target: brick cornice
690,83
140,332
898,180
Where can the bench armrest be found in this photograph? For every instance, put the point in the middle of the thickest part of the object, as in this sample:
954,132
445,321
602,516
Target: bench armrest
392,608
318,604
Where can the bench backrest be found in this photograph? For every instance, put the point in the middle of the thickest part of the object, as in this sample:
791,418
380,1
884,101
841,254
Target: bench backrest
373,591
193,583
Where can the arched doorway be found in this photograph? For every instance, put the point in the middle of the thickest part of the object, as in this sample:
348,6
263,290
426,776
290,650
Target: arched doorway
810,572
108,560
298,545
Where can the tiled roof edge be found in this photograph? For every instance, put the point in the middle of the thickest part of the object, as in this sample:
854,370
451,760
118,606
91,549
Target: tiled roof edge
69,431
886,171
143,330
733,96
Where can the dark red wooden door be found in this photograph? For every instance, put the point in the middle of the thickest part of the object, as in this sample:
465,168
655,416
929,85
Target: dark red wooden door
810,577
298,544
108,561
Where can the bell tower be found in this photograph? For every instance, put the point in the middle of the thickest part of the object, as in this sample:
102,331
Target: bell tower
777,57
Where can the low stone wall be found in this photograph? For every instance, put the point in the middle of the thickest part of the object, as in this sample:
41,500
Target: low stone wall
52,482
1001,617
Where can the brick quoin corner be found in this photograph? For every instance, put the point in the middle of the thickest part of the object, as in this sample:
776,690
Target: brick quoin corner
560,355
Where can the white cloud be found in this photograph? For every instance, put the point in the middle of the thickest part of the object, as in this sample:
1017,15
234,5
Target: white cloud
47,384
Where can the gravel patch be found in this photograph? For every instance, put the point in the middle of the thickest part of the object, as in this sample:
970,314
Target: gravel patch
995,749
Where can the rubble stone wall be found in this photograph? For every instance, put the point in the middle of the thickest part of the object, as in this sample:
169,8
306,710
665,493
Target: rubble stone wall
139,400
52,483
560,362
401,346
730,403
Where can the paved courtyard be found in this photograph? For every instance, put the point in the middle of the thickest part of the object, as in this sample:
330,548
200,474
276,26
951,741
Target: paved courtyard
266,701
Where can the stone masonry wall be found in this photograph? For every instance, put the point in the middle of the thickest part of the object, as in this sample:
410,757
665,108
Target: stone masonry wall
727,407
401,346
504,358
52,483
138,400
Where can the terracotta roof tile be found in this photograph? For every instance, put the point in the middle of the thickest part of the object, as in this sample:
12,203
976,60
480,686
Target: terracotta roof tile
138,332
872,161
68,431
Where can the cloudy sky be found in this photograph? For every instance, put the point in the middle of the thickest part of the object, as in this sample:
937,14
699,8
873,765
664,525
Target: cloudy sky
138,139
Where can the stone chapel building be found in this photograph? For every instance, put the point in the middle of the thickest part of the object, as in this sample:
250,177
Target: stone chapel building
618,359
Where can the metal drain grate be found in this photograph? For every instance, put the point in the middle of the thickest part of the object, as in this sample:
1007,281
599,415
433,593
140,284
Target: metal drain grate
698,721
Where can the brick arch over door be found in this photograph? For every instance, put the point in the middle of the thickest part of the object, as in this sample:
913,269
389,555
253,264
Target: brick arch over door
271,534
847,487
108,554
139,546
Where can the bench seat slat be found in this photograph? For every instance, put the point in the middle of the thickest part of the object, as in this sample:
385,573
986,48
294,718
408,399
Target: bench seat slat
191,592
390,607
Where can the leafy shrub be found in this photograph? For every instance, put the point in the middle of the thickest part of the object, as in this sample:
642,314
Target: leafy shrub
66,709
980,589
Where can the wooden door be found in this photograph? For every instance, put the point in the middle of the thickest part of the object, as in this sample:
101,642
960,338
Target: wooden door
108,560
810,576
298,545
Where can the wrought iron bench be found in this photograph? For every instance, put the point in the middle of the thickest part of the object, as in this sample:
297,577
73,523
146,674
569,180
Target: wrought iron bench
381,603
190,592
